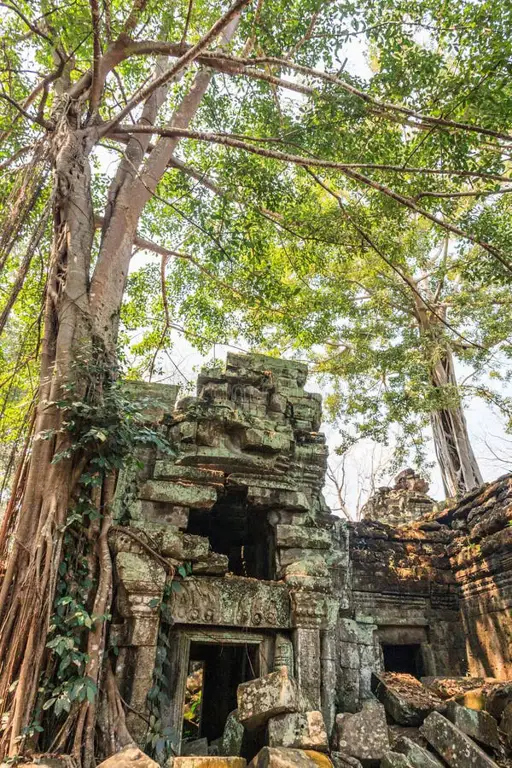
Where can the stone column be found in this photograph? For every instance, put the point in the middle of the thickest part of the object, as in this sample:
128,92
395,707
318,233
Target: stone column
309,614
328,669
140,589
307,668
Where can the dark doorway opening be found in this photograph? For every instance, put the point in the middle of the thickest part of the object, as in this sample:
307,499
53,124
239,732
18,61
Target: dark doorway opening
242,534
403,658
215,672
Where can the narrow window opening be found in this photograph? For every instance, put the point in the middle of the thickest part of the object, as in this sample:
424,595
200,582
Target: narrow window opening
239,532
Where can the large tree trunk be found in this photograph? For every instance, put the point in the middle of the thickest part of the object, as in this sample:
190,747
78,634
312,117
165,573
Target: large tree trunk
459,467
81,320
457,462
28,587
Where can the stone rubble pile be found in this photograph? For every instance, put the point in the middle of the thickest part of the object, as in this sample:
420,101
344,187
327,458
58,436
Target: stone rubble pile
457,737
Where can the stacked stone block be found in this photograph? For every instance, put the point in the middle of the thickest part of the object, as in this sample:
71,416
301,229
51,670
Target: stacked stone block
481,560
251,433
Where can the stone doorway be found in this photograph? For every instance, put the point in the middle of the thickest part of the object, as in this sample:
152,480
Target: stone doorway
404,658
219,660
221,667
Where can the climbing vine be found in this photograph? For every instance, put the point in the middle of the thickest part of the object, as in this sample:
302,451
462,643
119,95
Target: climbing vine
106,424
162,740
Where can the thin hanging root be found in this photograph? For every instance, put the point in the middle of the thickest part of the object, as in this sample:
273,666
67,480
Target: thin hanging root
116,712
24,267
22,201
59,743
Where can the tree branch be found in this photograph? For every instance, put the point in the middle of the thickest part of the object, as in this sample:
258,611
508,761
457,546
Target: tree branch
182,62
149,245
240,66
305,162
476,193
402,275
33,118
97,83
238,141
366,97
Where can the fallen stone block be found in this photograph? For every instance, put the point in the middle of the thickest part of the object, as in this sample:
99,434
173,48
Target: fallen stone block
208,761
452,687
363,735
266,697
457,749
394,760
497,696
214,748
44,761
418,756
406,700
130,757
341,760
398,732
506,724
280,757
196,747
481,726
233,735
298,730
474,699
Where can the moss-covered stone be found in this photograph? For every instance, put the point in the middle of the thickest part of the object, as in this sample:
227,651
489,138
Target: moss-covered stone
299,536
196,496
267,696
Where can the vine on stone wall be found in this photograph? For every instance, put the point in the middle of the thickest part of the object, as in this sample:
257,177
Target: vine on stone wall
162,740
106,424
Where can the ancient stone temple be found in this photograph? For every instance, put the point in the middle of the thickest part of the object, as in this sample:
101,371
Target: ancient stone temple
288,633
405,502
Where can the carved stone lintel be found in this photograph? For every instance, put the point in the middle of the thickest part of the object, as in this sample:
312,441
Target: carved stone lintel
232,601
